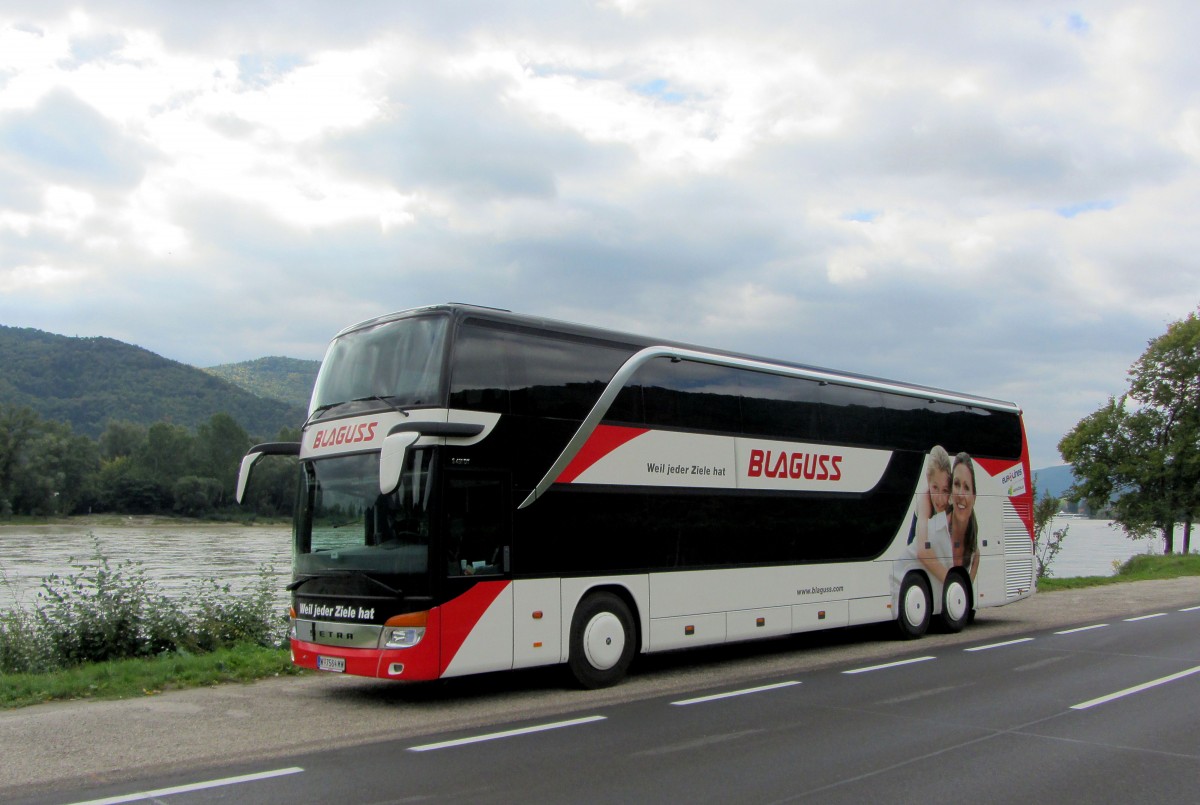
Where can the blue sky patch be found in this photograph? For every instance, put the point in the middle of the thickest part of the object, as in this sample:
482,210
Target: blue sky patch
660,89
1071,210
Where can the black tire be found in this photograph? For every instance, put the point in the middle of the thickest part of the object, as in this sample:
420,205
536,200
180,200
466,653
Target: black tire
913,605
603,641
956,601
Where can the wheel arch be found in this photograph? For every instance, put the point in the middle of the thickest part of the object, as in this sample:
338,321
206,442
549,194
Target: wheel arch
932,586
633,591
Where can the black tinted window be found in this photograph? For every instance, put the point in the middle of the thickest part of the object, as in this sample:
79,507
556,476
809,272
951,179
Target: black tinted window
774,405
686,394
531,373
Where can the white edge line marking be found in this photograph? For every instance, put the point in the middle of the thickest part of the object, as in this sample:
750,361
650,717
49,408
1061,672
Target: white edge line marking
1083,628
1136,689
1000,645
732,693
184,789
888,665
494,736
1190,609
1145,617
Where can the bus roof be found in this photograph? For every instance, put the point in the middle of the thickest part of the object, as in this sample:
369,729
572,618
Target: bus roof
462,311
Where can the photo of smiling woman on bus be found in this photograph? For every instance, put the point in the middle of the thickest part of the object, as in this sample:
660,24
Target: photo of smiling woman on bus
964,528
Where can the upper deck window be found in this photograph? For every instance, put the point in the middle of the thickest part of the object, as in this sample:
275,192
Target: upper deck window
527,372
399,360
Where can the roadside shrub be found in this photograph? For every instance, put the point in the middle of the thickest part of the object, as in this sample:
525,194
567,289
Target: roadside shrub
97,613
102,612
23,648
221,618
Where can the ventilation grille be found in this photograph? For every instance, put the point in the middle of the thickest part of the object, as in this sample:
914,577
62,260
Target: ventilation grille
1018,552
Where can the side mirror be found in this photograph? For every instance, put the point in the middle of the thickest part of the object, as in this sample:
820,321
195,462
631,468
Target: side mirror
391,459
257,452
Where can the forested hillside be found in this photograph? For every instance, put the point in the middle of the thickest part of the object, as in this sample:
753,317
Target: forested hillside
288,380
89,382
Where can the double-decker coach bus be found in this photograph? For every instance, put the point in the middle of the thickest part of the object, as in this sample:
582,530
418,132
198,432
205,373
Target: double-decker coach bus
480,491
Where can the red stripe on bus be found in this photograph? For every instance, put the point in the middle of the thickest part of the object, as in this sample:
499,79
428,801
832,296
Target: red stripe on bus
1022,503
460,615
604,440
995,466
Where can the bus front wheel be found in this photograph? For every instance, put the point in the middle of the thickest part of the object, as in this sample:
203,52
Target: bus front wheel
602,641
915,599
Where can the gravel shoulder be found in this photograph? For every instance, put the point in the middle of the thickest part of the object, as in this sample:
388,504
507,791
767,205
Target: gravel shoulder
96,742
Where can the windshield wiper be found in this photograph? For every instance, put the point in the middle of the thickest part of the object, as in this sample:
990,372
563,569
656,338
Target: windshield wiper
296,584
320,409
388,401
353,573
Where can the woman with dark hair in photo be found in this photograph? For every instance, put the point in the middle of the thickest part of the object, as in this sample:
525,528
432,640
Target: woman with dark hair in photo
964,529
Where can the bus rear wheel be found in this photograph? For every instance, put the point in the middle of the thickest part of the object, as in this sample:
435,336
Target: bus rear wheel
602,641
915,599
956,602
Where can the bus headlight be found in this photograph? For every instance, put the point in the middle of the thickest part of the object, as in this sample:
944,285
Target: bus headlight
403,631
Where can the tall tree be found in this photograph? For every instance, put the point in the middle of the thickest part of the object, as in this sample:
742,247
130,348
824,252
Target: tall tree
1142,450
121,439
220,444
1166,379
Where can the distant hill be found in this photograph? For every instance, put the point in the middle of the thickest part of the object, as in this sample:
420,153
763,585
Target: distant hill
1053,481
91,381
288,380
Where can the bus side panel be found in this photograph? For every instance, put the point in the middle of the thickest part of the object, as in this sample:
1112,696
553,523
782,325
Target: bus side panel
687,631
478,630
702,591
537,622
1005,546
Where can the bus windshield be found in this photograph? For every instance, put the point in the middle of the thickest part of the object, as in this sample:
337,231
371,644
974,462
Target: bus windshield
400,361
344,524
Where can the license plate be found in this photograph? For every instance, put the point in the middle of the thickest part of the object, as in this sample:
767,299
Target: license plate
335,664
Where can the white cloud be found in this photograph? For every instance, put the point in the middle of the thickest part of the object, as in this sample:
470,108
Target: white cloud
992,198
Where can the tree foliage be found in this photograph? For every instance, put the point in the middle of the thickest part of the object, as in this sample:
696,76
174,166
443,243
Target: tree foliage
1141,451
92,424
46,469
288,380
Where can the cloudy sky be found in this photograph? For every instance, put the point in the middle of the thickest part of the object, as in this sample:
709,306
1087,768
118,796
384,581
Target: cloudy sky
997,198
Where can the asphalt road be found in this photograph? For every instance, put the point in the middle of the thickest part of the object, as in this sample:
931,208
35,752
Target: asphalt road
992,725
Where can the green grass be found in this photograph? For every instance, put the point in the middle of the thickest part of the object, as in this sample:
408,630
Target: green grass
124,679
1139,568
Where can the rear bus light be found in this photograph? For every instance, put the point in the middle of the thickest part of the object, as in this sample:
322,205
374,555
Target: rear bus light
403,631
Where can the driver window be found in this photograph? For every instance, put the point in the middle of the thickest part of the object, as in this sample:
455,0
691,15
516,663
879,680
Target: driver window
477,526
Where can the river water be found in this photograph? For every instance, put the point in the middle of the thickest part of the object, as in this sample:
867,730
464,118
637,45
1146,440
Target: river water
1091,547
174,555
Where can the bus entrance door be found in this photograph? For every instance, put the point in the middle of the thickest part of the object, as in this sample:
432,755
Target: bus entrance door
477,622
